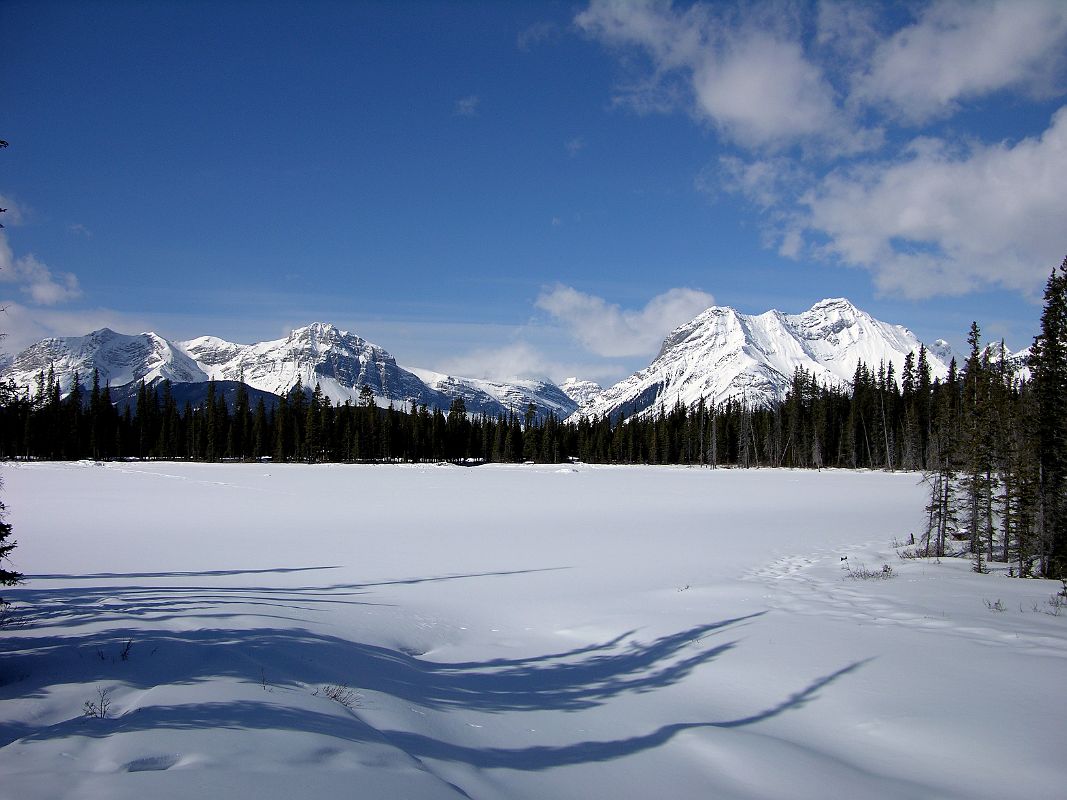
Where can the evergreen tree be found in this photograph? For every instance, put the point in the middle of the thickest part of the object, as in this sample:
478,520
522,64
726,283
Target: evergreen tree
1048,364
259,431
8,577
975,446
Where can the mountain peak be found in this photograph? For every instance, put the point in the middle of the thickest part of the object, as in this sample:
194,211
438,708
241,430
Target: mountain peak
835,303
319,330
722,355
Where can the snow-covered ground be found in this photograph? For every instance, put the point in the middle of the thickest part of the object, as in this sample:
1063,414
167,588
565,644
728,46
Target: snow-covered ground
511,632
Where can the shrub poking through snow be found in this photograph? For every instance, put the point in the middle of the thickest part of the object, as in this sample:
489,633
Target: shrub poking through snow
340,693
99,708
861,573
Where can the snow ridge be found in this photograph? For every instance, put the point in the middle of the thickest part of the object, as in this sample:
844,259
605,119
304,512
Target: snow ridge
723,355
339,362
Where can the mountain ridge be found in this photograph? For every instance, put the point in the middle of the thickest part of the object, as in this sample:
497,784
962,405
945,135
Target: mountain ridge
341,363
721,354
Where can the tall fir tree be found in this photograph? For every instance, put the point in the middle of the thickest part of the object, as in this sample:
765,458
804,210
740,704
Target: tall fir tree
1048,365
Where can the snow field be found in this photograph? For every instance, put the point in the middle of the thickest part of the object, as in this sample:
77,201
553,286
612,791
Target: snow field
511,632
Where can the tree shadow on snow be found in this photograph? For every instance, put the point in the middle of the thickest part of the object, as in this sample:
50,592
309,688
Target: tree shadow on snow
294,659
112,602
248,715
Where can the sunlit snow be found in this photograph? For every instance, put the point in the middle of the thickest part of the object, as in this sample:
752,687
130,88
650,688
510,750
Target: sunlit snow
266,631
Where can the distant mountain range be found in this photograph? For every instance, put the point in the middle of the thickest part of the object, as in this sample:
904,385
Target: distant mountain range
720,354
723,354
339,362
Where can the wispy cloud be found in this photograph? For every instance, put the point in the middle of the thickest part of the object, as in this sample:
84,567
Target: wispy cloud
821,109
80,230
536,34
524,361
938,221
24,325
513,361
467,106
33,277
606,329
574,146
746,74
958,50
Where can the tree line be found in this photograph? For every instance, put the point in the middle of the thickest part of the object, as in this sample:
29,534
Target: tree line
991,447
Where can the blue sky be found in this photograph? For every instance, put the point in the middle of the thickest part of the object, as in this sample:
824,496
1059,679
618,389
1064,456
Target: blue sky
520,189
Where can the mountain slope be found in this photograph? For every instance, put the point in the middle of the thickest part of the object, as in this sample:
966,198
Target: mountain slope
495,397
725,355
119,358
339,362
581,392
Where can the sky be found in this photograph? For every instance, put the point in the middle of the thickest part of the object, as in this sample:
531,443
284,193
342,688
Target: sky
538,189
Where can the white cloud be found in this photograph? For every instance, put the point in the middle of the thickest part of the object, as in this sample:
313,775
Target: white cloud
574,146
847,28
24,325
607,330
33,277
12,214
842,80
511,362
944,222
524,361
767,183
467,106
961,50
761,90
747,74
756,74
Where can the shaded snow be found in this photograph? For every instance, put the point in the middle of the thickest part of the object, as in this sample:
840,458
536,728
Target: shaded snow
511,632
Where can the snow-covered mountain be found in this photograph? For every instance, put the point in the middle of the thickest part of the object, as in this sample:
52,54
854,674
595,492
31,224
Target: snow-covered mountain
494,397
720,354
723,354
1018,363
340,362
120,359
583,393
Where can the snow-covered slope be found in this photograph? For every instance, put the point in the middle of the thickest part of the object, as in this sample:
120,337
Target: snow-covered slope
582,392
1018,363
270,632
119,358
339,361
494,397
723,354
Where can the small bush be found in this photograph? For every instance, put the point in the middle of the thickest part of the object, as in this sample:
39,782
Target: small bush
341,694
99,708
997,606
861,573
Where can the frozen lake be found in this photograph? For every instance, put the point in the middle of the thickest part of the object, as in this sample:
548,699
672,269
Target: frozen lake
511,632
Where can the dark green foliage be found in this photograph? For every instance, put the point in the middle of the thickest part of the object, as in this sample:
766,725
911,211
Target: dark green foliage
1048,364
8,577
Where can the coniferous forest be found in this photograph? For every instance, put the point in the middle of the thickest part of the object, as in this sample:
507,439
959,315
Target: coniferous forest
992,448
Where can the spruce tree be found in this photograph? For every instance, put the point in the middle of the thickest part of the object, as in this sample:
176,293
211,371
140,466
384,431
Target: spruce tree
8,577
976,445
1048,364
